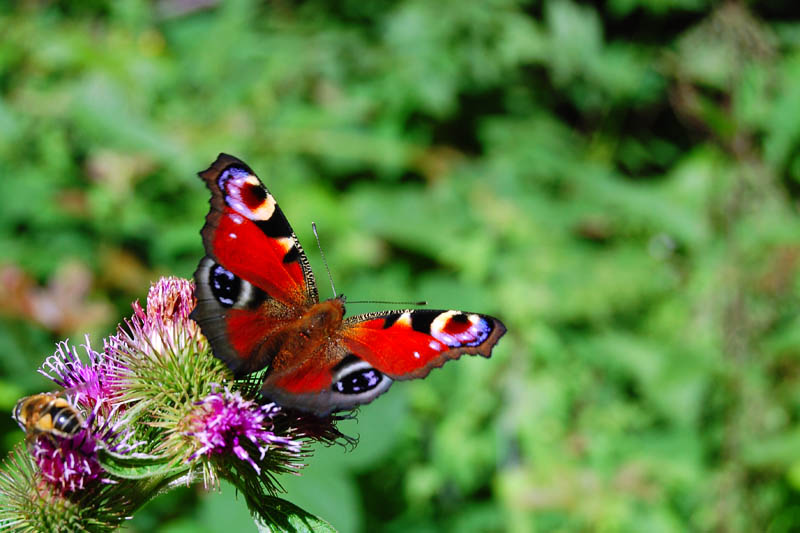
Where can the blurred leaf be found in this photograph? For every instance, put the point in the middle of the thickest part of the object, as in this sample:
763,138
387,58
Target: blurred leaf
284,517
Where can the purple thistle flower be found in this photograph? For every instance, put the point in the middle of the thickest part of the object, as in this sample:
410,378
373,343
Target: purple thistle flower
225,421
170,299
163,325
70,463
169,302
90,383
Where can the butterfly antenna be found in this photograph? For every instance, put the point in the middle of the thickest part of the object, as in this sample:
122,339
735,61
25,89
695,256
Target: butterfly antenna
387,302
324,261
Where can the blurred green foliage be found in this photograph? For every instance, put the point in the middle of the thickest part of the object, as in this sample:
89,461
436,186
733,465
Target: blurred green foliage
618,181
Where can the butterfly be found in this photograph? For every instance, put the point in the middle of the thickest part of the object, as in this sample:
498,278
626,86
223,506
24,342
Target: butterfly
258,306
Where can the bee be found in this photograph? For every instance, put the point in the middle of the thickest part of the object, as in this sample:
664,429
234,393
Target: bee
47,414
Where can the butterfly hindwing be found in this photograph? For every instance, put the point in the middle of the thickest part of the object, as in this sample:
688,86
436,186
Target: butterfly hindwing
236,316
343,383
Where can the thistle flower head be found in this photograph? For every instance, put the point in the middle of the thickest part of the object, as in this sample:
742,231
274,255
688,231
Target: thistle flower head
70,463
165,323
225,423
162,333
171,299
157,379
30,504
91,381
166,363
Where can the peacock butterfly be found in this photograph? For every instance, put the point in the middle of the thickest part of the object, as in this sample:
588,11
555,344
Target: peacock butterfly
258,305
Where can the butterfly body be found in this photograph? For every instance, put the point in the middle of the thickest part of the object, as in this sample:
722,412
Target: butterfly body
258,305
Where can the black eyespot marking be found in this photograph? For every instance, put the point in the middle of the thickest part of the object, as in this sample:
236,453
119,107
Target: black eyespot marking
389,320
292,255
359,381
225,286
257,192
421,320
460,318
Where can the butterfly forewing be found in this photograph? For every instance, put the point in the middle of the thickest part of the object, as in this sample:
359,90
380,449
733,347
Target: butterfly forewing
248,234
407,344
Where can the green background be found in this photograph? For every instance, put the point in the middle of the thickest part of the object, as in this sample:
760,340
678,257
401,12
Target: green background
617,181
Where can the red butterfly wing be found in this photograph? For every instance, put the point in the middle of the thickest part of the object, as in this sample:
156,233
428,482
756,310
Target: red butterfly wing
255,279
